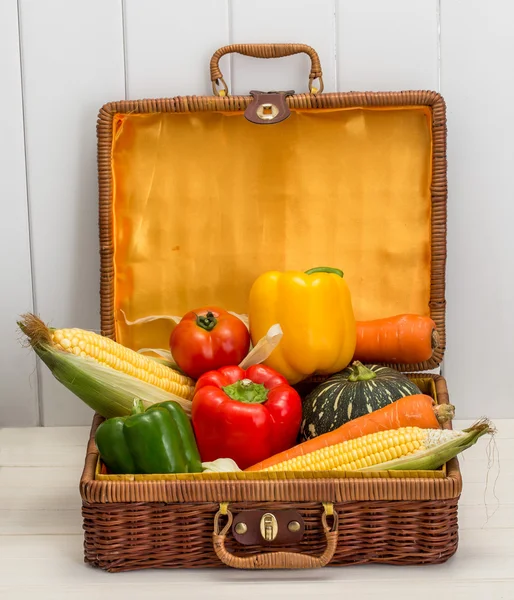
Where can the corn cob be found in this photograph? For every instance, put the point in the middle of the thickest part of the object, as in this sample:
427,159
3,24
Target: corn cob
405,448
106,351
104,374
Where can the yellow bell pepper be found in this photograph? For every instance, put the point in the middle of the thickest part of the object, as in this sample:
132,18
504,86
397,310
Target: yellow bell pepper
315,312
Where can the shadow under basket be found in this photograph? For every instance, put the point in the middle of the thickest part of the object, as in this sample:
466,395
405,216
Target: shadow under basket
187,522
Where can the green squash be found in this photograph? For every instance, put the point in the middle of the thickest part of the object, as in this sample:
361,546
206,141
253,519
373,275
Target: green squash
352,393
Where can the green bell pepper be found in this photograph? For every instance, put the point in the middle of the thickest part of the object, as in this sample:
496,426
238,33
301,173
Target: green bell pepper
158,440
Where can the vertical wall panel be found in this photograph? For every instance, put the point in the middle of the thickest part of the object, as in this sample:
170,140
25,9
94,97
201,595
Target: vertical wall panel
72,64
477,81
72,61
18,381
308,22
383,46
169,46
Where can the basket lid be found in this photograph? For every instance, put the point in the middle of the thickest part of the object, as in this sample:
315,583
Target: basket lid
196,201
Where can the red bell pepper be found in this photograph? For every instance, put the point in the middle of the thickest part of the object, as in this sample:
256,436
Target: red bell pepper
244,415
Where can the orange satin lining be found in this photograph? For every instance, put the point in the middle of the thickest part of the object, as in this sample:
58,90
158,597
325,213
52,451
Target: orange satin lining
204,202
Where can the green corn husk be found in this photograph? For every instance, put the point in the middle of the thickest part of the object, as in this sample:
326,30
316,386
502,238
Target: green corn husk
108,392
438,455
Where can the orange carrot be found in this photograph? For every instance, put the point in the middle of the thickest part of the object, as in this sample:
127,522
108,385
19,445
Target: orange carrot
411,411
401,339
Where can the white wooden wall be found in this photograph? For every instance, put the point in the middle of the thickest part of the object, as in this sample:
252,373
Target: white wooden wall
60,60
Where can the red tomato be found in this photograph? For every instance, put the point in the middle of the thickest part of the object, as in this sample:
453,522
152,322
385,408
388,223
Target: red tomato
207,339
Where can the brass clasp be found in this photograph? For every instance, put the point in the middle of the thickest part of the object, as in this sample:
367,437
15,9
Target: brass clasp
269,527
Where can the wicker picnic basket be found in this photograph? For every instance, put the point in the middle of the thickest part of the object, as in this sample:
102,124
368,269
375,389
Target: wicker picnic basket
195,201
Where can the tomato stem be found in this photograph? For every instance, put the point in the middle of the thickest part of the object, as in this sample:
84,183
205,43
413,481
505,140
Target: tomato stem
207,322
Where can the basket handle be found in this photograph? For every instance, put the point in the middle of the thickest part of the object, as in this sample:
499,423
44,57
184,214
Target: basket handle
265,51
275,560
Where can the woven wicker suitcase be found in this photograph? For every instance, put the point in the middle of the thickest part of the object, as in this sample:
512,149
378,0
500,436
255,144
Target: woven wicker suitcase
198,196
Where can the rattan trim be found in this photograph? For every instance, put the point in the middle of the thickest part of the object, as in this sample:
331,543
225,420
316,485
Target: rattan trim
298,101
265,51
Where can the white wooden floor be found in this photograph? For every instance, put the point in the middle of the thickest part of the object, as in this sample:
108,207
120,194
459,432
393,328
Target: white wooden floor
41,537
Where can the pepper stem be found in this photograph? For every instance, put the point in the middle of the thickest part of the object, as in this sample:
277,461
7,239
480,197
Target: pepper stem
207,322
245,390
137,407
360,372
325,270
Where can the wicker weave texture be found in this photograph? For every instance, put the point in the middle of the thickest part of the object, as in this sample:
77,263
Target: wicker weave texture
123,537
266,51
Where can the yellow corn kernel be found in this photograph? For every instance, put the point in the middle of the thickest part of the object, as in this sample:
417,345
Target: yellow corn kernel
366,451
108,352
